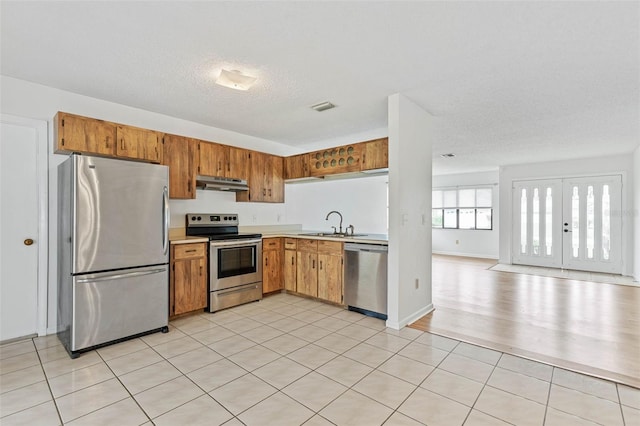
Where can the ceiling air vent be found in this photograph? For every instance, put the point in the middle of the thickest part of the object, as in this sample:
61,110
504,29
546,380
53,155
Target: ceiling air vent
323,106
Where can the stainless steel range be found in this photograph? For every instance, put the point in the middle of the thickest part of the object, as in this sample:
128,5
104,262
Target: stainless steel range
235,259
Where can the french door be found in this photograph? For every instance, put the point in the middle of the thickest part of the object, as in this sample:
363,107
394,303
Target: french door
572,223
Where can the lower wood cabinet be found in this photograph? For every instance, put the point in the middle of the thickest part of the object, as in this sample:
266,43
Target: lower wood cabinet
271,265
188,278
289,264
319,269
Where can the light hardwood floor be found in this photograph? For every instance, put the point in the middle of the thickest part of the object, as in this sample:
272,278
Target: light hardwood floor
589,327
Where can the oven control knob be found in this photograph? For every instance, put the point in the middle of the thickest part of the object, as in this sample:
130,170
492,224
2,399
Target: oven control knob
193,218
199,217
235,218
226,218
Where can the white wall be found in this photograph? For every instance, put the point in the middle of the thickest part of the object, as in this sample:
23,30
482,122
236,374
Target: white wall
467,242
636,213
362,202
621,164
25,99
409,275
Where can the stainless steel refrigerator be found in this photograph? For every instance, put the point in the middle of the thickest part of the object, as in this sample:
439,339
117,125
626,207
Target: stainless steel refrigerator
113,274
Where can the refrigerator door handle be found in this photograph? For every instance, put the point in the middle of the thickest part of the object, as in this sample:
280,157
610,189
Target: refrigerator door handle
165,220
120,276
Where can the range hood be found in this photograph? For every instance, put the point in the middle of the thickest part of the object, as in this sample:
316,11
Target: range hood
221,184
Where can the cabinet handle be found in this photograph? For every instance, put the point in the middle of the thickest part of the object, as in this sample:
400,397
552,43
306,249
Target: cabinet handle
190,251
321,264
264,192
122,144
229,167
313,264
266,261
269,192
292,260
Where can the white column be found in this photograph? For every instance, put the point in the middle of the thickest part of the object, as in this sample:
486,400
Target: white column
409,269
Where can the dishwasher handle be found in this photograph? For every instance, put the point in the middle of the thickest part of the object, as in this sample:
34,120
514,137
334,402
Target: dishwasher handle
374,248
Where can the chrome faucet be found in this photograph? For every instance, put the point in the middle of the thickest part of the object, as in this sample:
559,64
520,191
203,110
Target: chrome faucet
334,228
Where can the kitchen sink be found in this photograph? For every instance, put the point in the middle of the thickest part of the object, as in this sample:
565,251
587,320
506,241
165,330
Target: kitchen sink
329,234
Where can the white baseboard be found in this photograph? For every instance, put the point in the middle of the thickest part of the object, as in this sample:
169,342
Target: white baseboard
411,318
457,253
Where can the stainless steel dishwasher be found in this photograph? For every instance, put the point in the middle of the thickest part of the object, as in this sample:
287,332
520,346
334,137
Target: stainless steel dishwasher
365,278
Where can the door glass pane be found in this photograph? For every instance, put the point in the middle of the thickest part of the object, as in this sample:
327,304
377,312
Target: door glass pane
450,218
575,223
450,198
483,219
590,222
548,225
483,197
523,221
436,199
467,198
436,218
606,223
535,222
467,218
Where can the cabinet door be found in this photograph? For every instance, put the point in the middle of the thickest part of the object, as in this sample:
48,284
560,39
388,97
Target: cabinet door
330,277
86,135
274,179
290,270
257,192
271,267
296,166
341,159
189,285
238,166
179,153
141,144
214,159
375,154
307,273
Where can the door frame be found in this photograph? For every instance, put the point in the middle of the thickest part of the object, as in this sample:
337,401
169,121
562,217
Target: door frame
624,206
42,152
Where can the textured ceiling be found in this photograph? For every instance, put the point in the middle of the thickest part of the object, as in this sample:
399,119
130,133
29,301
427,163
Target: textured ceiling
505,82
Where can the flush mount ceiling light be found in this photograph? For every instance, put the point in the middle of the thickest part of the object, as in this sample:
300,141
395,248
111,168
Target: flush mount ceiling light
323,106
234,79
449,155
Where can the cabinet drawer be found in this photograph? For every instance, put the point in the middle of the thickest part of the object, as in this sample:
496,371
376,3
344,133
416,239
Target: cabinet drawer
330,247
186,251
290,244
271,243
308,245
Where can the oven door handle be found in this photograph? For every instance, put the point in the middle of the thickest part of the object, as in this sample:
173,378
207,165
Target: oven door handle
234,243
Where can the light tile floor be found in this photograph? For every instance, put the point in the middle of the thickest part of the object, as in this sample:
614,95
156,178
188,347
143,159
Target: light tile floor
291,361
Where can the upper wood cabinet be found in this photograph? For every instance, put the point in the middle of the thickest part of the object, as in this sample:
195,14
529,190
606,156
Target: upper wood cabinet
74,133
341,159
296,166
214,159
375,154
179,153
266,182
140,144
239,165
223,161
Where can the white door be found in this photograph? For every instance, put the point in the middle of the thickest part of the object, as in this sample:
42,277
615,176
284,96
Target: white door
569,223
22,222
592,224
537,226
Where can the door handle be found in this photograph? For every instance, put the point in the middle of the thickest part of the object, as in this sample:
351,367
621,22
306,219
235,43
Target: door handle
28,242
566,230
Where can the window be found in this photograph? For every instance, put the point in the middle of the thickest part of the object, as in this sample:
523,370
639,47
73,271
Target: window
463,208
